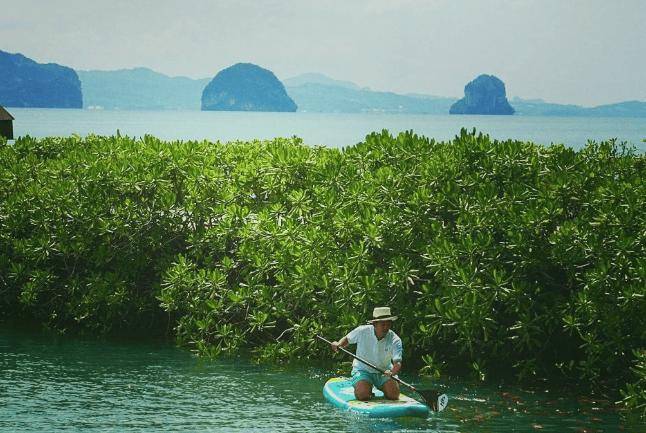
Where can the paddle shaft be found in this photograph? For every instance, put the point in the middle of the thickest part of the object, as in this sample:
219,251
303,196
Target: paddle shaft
347,352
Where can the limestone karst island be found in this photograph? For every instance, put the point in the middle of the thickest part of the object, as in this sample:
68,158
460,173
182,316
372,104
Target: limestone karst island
26,83
484,95
246,87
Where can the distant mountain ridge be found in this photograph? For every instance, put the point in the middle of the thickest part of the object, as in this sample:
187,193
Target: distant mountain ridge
27,83
533,107
140,89
323,95
319,93
316,78
321,98
143,88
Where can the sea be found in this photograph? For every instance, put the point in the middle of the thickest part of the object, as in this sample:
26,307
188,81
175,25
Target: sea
60,383
322,129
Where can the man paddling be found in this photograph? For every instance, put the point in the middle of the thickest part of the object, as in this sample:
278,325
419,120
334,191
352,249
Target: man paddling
379,345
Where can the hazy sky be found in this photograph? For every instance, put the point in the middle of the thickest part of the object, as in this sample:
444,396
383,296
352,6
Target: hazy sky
586,52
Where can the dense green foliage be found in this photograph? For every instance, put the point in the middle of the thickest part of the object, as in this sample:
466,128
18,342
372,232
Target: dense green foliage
498,256
635,393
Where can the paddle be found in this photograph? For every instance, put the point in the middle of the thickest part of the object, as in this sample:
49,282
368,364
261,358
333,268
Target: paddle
432,398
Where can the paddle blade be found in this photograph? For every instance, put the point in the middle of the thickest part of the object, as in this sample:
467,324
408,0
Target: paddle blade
442,402
436,401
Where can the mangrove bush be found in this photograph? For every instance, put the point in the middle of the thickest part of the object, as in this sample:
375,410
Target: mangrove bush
497,255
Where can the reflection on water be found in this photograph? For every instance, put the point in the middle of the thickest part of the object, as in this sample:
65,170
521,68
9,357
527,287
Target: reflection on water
50,383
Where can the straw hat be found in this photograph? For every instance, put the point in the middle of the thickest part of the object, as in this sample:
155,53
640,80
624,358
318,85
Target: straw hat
381,314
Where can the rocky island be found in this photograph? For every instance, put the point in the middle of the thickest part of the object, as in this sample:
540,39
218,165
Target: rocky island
484,95
26,83
246,87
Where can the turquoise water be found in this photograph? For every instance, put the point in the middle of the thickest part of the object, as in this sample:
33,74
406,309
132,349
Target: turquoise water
65,384
335,130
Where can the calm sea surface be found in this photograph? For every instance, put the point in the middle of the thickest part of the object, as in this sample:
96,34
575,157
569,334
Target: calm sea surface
335,130
64,384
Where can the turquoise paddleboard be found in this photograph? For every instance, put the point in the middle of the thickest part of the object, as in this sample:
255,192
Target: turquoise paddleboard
339,392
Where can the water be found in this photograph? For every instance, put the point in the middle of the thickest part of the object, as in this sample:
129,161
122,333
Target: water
335,130
65,384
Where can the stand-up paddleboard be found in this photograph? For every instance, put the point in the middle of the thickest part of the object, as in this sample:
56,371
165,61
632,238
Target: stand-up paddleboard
340,392
433,399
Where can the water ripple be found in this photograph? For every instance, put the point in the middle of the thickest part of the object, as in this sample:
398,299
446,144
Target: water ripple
64,385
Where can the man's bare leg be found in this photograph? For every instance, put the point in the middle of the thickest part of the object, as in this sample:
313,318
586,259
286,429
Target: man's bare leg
391,390
363,390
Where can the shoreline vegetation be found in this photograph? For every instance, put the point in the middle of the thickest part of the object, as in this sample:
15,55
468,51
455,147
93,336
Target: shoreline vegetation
500,257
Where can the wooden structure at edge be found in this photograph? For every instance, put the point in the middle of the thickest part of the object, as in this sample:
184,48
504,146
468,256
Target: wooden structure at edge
6,124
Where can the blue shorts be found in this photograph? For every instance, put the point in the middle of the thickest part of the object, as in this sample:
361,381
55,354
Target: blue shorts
376,379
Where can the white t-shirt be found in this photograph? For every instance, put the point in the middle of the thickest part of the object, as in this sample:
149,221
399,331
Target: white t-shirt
382,353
